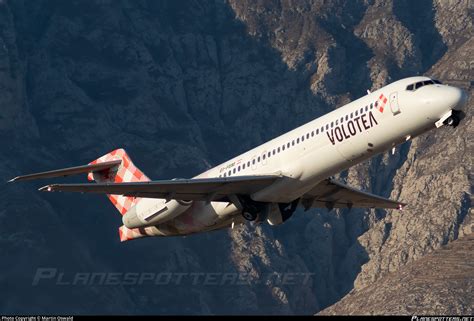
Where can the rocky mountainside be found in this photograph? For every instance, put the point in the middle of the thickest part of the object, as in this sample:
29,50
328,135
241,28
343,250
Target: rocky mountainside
184,85
439,283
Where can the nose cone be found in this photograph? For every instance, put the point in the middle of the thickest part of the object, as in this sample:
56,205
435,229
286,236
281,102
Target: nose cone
456,98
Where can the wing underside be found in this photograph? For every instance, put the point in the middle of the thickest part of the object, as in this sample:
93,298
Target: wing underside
333,194
329,193
199,189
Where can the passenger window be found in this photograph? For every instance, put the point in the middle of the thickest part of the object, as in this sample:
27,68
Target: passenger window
376,104
317,131
356,113
293,142
274,152
337,121
302,138
283,148
264,156
322,129
233,171
366,108
238,169
362,110
258,159
288,145
342,119
312,133
347,117
243,166
332,124
229,173
248,164
371,105
278,150
225,175
352,115
307,136
253,162
298,140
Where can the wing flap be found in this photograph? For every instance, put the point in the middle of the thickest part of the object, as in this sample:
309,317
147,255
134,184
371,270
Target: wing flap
331,193
68,171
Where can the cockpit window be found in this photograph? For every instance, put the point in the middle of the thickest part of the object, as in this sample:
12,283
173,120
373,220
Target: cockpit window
415,86
437,81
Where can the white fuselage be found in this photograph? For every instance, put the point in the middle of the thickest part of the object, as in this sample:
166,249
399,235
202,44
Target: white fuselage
324,147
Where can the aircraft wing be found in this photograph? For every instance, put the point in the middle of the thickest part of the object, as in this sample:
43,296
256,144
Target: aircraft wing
197,189
328,193
333,194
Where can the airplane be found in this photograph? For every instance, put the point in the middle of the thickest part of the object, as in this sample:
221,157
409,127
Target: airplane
270,181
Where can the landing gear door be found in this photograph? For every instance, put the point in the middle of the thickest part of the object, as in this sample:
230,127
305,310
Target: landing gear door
394,103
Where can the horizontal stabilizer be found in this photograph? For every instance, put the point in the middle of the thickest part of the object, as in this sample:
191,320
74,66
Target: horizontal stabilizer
68,171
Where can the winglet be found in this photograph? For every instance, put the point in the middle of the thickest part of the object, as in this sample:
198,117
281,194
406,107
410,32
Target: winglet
13,179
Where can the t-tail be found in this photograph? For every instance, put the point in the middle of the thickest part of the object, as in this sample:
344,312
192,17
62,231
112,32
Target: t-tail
113,167
125,172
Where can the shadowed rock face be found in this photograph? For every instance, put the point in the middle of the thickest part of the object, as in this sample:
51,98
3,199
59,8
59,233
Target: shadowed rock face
439,283
183,86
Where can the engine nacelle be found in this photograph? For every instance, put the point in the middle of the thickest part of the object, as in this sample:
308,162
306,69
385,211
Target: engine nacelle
152,211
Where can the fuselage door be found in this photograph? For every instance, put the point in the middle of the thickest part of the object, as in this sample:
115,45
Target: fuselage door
394,103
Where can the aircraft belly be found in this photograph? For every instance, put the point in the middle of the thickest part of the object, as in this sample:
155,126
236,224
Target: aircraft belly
354,148
395,130
351,137
320,162
301,174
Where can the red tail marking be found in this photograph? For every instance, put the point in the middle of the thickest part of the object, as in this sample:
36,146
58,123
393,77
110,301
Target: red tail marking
126,172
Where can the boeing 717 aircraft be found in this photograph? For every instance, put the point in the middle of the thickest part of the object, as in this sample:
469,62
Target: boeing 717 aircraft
270,181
